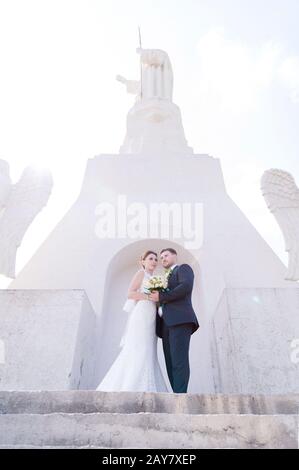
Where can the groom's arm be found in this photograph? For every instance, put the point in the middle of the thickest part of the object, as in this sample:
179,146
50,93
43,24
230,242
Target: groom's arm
185,277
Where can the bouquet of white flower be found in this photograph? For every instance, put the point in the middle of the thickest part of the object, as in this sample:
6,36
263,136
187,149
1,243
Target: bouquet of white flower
158,283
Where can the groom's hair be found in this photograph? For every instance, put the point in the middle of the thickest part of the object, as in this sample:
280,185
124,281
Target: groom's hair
172,250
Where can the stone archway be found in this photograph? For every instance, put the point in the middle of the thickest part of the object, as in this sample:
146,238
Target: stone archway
113,319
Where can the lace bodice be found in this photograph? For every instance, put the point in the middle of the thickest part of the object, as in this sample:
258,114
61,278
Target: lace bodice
130,303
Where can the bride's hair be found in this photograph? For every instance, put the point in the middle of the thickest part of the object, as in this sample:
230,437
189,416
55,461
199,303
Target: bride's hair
145,255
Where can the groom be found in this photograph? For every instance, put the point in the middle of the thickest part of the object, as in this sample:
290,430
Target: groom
176,320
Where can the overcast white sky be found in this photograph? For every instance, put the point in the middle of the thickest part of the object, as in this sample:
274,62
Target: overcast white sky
236,80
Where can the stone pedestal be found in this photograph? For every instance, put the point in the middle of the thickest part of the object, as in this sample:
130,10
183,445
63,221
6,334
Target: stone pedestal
253,332
47,339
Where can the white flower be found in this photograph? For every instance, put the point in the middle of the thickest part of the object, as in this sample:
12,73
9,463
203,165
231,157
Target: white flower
156,283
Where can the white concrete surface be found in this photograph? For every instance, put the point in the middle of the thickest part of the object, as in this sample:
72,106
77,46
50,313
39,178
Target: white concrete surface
253,332
48,338
91,401
157,431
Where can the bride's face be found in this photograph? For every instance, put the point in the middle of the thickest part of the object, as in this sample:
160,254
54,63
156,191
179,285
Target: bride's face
150,262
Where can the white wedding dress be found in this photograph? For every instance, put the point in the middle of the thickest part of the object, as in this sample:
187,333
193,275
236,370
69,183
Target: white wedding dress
136,368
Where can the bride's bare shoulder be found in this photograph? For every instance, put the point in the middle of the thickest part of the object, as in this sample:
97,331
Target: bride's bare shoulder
136,280
139,274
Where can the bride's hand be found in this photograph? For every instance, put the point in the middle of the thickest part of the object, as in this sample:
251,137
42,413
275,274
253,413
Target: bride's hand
154,296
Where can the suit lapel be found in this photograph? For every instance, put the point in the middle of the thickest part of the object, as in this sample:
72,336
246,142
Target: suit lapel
170,278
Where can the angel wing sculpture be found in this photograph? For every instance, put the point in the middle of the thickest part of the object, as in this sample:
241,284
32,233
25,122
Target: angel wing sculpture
19,205
282,198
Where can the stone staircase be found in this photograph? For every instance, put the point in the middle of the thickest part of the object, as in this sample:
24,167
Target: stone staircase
92,419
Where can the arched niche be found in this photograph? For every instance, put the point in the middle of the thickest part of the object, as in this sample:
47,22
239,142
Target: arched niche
112,319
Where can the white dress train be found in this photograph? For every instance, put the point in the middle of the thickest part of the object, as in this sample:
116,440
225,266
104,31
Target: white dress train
136,368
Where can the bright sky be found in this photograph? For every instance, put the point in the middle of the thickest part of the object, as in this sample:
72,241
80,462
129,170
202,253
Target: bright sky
236,80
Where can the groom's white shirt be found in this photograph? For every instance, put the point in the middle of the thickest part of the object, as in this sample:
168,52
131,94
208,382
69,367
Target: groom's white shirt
160,308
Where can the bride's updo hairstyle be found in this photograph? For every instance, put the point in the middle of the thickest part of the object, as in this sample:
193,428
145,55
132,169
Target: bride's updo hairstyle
145,255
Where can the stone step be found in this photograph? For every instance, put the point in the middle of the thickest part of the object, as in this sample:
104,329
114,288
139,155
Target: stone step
90,401
149,430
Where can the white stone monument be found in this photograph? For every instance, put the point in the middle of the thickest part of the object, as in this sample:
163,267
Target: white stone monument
154,123
160,194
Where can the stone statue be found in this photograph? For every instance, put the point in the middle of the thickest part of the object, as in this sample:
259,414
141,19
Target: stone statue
19,205
156,76
154,122
282,197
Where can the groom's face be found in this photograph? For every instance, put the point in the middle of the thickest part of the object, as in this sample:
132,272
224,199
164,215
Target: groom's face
168,259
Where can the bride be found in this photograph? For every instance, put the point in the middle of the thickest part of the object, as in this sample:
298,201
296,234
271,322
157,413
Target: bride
136,368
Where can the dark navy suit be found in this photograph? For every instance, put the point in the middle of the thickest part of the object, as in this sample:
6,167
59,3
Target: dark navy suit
177,324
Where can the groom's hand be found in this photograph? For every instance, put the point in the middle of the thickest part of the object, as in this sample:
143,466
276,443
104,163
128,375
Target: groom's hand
154,296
